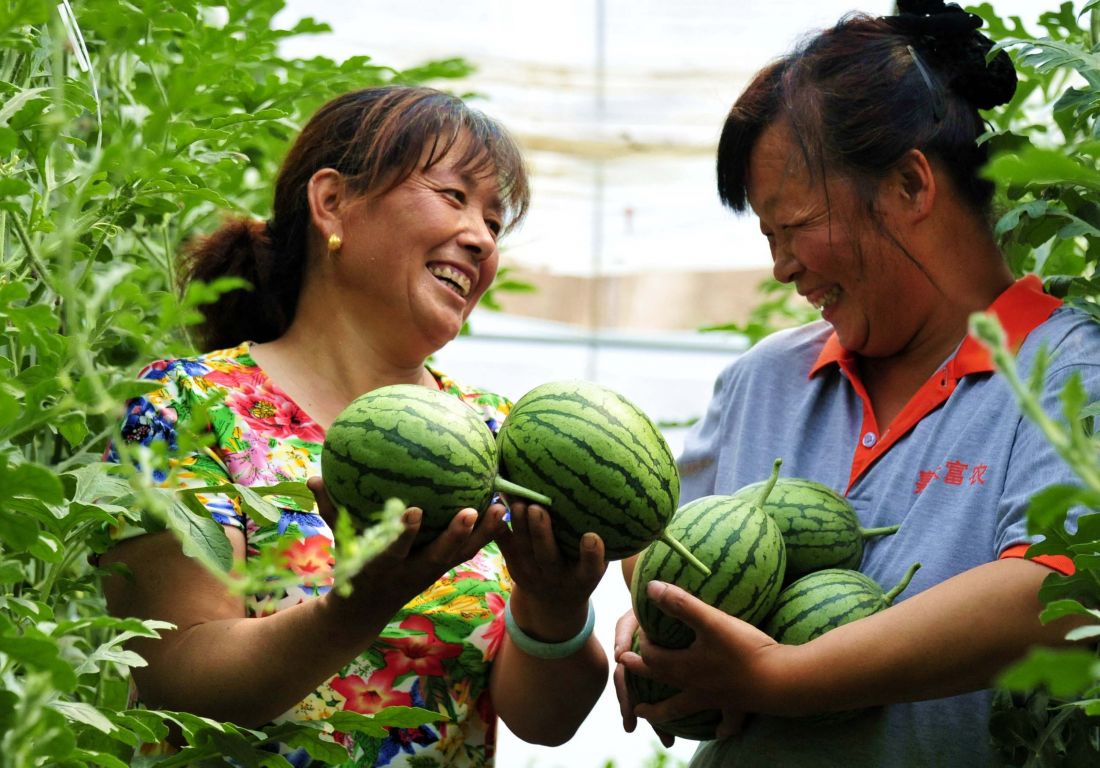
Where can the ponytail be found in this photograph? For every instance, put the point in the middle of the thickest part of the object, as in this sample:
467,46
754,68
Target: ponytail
243,248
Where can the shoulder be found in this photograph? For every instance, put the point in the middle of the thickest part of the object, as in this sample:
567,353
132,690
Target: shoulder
1070,338
803,342
788,354
175,370
492,407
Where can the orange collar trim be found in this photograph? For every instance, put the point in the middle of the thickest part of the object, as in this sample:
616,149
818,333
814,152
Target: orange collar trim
1022,308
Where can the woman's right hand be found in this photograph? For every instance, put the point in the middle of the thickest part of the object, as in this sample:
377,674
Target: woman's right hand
399,573
625,628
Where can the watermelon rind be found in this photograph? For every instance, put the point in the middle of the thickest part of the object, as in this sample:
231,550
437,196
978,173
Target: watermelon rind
825,600
602,461
819,526
425,447
744,550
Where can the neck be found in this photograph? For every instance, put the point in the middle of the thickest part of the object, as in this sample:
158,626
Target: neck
324,363
968,280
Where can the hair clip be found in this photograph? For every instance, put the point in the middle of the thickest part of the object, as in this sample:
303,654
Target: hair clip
938,105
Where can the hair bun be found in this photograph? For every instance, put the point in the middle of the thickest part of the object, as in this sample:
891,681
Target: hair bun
958,50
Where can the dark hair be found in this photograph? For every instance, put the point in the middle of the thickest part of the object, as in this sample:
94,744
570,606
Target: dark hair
376,138
858,96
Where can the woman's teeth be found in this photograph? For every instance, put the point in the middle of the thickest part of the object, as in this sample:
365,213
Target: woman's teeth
827,298
455,279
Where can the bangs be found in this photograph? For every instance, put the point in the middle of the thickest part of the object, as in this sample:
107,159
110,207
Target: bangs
489,153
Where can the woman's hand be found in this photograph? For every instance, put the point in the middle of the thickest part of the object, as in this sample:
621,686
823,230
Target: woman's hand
730,666
550,594
625,628
400,573
544,701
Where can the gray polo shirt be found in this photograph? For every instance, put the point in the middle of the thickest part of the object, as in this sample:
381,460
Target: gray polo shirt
956,469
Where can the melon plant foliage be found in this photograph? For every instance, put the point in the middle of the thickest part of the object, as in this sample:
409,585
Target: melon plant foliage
121,136
1046,163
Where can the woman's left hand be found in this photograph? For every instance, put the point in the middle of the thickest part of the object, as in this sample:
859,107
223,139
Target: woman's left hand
550,594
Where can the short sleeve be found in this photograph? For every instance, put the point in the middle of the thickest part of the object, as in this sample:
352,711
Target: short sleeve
1034,464
154,418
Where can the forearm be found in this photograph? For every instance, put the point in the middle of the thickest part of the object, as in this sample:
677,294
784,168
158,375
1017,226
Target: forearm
544,701
218,662
250,670
950,639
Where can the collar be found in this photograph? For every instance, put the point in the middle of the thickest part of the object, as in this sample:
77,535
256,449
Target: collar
1021,308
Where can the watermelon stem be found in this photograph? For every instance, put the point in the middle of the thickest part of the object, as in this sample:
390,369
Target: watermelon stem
507,486
889,596
683,552
767,489
885,531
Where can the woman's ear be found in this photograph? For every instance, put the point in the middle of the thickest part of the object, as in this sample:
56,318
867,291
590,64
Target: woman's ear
913,186
326,192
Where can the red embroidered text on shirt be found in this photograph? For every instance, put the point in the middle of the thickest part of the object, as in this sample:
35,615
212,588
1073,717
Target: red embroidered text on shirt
957,474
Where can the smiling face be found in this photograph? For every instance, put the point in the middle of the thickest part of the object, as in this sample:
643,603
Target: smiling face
416,259
840,259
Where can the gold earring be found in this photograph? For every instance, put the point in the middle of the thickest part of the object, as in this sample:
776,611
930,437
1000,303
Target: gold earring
334,243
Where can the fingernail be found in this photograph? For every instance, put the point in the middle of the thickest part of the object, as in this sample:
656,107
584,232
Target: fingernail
470,521
412,516
588,541
655,588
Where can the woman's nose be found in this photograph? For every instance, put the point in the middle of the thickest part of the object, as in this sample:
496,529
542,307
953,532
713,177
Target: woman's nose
784,265
478,239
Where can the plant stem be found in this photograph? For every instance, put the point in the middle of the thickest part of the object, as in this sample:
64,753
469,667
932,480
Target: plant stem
683,552
884,531
507,486
901,585
32,254
73,550
767,489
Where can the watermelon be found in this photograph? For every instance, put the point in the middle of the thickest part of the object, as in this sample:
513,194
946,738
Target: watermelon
420,445
701,726
601,460
824,600
745,552
819,526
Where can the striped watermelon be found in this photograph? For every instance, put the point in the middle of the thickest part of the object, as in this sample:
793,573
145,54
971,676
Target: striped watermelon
409,442
819,526
742,546
700,726
604,464
824,600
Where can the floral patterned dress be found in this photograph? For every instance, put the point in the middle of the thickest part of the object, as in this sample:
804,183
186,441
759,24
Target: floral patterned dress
435,653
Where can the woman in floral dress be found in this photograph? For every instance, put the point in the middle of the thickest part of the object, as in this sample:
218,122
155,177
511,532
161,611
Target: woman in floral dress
384,236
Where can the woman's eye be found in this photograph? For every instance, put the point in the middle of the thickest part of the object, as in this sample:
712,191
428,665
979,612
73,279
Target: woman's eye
457,194
494,227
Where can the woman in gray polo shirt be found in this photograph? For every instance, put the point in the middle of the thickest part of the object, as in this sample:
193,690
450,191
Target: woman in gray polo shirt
858,152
